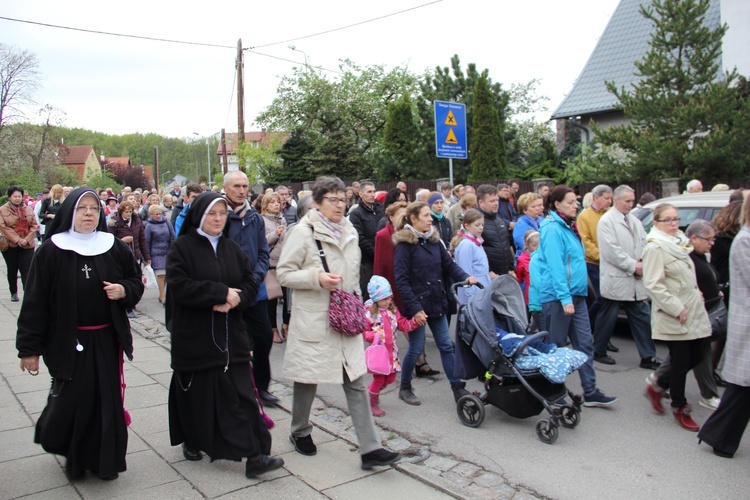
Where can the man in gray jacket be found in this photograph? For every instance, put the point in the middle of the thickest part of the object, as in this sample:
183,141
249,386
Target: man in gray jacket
621,241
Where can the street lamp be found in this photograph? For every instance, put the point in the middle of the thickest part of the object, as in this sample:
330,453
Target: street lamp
208,157
307,65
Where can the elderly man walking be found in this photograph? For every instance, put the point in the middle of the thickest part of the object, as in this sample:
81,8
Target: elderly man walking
587,223
621,240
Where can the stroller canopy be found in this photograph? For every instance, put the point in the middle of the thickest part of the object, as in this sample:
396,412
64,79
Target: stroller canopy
503,297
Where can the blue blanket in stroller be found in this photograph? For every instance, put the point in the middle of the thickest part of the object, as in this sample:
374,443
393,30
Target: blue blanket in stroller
555,363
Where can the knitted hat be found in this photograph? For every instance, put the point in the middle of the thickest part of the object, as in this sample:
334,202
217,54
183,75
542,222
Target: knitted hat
379,288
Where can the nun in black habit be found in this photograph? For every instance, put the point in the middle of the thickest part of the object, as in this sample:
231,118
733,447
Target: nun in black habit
80,283
212,407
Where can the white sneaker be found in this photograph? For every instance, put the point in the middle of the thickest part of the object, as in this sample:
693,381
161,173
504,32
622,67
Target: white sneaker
710,403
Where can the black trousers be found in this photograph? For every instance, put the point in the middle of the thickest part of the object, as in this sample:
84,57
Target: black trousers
684,356
17,259
261,338
724,428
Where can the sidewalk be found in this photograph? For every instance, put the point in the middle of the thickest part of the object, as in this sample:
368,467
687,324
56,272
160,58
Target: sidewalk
158,470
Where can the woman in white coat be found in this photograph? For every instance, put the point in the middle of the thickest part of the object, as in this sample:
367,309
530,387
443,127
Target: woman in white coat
315,353
678,316
724,428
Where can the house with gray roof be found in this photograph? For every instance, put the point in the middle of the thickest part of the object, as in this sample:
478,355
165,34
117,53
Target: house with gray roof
626,40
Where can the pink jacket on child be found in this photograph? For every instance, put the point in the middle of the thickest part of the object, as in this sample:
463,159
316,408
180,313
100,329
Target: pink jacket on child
386,323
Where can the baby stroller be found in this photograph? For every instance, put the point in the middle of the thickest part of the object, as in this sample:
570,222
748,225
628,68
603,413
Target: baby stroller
519,393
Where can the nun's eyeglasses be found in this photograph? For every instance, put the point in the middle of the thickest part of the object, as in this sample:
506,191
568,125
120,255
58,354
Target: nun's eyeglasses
83,210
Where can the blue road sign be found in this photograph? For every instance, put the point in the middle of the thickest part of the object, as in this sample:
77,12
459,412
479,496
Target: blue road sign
450,130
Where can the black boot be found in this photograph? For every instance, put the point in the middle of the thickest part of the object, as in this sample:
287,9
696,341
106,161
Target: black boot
459,390
406,394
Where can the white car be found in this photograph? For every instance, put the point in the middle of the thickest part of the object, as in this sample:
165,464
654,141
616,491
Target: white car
689,206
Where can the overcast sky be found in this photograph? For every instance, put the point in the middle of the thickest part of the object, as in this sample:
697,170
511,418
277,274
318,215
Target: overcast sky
121,85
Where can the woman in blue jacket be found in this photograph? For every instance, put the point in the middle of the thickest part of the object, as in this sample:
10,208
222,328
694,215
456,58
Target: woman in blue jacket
563,286
420,261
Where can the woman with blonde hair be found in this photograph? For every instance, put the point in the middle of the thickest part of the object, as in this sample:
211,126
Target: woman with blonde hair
678,316
159,237
270,209
530,206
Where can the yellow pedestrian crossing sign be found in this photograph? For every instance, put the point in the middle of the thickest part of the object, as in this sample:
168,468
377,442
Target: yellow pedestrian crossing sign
451,137
450,120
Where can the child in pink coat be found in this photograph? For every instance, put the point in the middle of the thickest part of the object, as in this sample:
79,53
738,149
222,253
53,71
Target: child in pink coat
385,321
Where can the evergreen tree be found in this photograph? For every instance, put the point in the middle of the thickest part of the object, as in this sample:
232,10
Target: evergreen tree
400,139
296,155
685,114
487,143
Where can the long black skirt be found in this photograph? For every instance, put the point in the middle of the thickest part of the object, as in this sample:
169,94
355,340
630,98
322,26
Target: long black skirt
84,419
216,412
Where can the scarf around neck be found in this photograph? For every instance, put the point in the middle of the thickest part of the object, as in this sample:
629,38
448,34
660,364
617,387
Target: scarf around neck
677,245
240,210
425,235
572,224
336,228
437,216
477,240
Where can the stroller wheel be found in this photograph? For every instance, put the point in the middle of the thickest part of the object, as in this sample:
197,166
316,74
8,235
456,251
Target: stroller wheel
470,410
546,431
571,417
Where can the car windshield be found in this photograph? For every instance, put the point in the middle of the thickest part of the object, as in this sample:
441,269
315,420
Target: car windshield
686,214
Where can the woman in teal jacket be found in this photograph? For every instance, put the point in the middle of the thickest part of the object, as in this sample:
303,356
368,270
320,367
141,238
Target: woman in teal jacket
563,286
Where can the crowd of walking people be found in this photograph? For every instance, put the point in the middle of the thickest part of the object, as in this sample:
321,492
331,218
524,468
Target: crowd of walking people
226,260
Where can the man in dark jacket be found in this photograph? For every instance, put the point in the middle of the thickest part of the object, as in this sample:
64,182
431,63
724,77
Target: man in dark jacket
365,220
505,208
246,228
179,211
496,236
288,210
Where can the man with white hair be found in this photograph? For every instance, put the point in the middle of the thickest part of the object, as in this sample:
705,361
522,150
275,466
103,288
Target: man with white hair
621,240
422,195
694,186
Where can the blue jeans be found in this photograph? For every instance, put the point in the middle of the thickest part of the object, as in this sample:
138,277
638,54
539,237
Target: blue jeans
441,333
639,318
576,327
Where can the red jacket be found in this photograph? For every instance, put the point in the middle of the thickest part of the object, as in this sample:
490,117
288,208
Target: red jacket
522,273
383,265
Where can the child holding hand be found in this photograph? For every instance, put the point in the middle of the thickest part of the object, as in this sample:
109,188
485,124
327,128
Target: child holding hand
385,321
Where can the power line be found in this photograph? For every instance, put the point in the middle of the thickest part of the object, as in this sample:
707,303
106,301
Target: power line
116,34
348,26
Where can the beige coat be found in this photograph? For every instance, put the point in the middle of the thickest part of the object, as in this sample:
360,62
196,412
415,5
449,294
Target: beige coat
315,353
620,248
671,284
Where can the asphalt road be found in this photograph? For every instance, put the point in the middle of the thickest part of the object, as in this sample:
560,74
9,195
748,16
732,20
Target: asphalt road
626,451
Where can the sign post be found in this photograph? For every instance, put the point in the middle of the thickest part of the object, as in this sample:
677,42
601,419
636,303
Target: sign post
450,132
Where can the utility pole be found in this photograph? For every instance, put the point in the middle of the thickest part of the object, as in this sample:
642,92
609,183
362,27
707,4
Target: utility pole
224,150
156,167
240,97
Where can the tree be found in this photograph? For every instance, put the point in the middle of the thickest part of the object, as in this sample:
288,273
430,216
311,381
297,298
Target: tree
686,116
19,80
400,142
262,157
296,155
338,116
487,139
131,176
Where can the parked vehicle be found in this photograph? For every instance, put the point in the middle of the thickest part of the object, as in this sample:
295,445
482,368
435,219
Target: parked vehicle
689,207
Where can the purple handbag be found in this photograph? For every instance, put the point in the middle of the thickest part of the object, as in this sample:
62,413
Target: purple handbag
346,314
